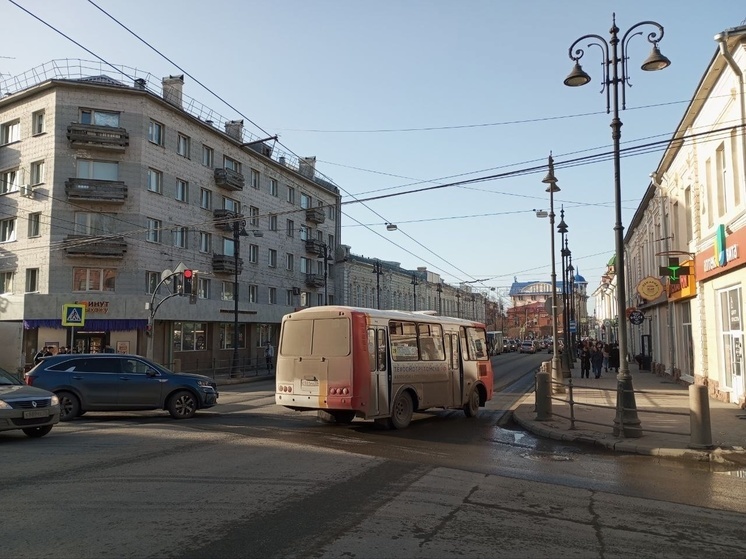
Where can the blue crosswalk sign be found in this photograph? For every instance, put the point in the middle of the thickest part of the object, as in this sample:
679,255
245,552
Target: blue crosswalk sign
73,315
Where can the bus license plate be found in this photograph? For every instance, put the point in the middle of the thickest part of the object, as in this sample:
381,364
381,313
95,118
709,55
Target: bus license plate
32,414
309,383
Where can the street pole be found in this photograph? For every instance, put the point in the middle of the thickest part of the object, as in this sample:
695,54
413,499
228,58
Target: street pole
626,422
239,230
551,180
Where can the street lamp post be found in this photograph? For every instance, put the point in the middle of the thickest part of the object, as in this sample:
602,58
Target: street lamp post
239,230
439,289
377,271
458,304
626,422
552,187
567,354
414,291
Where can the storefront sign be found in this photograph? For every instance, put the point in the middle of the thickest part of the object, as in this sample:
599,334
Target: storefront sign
686,286
100,307
650,288
723,256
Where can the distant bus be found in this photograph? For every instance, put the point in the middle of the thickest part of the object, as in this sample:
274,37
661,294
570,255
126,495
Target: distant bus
383,365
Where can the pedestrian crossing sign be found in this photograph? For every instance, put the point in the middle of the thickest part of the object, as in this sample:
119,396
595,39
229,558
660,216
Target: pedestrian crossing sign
73,315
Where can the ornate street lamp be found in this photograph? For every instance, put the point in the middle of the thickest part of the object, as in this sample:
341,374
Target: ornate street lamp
626,422
552,187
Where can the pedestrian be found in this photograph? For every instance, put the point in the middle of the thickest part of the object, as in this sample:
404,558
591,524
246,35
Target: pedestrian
40,355
269,354
614,357
585,363
606,357
597,361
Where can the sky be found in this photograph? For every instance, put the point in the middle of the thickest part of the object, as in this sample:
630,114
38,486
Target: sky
413,95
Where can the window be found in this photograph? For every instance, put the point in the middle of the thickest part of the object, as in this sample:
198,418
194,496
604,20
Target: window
721,180
98,170
205,199
182,190
305,265
93,223
330,243
227,291
320,235
228,247
155,181
154,230
303,233
152,279
272,257
305,299
203,288
291,195
32,280
155,133
10,181
10,132
231,205
99,118
330,212
7,230
253,253
291,228
226,336
179,237
254,214
273,223
93,279
208,156
182,145
305,201
272,295
252,293
37,172
37,123
231,164
289,297
255,179
34,224
205,242
319,299
6,282
289,264
273,187
190,336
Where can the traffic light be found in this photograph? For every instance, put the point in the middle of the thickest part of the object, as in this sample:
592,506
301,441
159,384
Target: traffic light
186,284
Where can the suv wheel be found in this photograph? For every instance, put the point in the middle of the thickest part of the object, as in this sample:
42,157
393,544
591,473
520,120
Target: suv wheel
69,406
182,405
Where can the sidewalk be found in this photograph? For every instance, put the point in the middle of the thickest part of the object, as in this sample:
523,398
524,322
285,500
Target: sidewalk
652,392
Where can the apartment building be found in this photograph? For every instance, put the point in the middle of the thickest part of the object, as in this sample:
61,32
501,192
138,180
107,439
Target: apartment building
688,232
110,180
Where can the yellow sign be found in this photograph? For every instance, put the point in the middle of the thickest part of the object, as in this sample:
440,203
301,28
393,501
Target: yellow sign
650,288
73,315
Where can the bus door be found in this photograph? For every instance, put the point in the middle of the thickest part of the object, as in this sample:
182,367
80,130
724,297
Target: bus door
455,373
380,374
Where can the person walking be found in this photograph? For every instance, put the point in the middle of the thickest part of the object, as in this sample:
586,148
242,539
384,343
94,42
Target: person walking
605,350
614,357
269,354
597,361
585,363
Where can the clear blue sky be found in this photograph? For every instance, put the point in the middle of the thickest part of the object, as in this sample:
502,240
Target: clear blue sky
398,95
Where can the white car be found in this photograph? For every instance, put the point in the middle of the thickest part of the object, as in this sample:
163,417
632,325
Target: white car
527,347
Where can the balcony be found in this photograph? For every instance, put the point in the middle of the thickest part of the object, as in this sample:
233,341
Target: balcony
93,190
315,280
225,264
89,246
97,137
315,215
230,180
224,219
314,246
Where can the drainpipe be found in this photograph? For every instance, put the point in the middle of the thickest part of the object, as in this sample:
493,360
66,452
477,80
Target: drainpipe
722,40
662,197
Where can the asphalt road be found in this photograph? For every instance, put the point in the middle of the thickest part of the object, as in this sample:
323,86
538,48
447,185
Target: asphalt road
250,479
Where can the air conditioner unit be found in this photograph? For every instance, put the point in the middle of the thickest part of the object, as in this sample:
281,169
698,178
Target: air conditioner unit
296,290
27,191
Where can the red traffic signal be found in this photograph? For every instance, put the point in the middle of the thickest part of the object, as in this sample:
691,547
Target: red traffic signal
188,276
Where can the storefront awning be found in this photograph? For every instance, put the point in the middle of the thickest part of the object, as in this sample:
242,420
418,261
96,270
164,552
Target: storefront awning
95,324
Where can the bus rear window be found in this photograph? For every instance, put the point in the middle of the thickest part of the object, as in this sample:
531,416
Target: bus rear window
327,337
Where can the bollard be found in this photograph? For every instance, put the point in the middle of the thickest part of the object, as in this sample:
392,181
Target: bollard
543,396
699,417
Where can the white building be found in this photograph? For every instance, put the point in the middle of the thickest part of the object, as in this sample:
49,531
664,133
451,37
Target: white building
108,178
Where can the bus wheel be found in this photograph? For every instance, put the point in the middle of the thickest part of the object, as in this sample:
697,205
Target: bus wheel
403,409
471,407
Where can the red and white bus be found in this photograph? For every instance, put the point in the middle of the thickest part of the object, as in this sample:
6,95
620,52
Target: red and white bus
381,364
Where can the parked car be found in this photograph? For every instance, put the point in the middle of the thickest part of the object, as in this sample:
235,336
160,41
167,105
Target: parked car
111,382
33,410
527,346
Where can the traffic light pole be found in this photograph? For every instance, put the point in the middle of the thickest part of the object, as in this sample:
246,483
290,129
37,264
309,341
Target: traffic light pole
153,308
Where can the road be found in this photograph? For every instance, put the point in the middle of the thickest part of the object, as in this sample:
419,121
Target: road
250,479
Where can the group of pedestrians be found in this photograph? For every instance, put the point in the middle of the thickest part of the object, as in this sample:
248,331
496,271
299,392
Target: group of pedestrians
596,355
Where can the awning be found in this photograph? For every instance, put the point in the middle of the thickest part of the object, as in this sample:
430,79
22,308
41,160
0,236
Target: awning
93,324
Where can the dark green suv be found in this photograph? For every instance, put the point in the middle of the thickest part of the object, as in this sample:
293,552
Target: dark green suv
114,382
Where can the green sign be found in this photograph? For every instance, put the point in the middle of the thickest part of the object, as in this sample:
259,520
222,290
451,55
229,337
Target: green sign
673,271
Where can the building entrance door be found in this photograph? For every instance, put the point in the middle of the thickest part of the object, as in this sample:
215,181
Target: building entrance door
90,342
